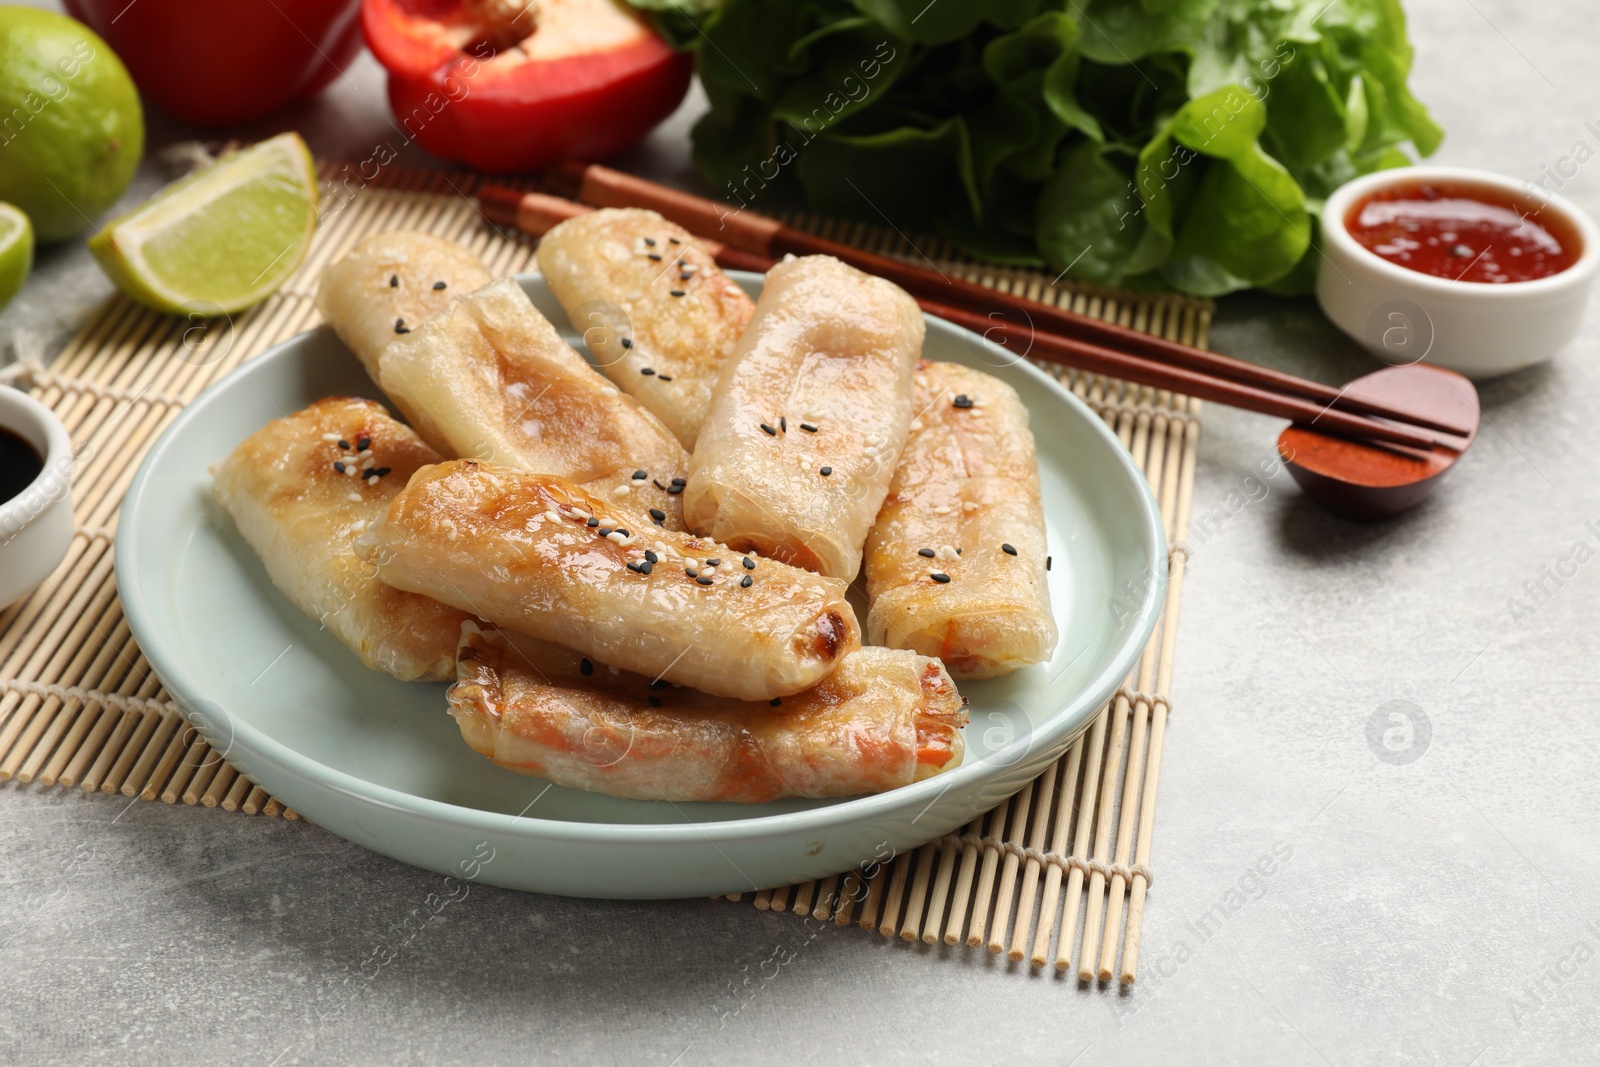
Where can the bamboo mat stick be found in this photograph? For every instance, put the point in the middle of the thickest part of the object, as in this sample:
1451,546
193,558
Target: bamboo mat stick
890,923
919,892
1058,845
226,773
849,896
874,899
1045,787
1021,805
254,800
827,898
941,893
981,899
237,794
963,891
763,899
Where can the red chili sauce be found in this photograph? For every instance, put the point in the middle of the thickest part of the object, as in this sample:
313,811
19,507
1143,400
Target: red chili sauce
1468,233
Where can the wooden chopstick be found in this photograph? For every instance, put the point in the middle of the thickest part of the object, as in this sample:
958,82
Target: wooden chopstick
537,213
765,236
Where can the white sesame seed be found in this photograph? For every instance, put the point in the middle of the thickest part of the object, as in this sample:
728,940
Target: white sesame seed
581,514
351,470
733,290
941,511
947,552
608,391
874,439
333,437
355,496
368,463
916,424
618,536
621,491
634,296
921,379
969,505
364,453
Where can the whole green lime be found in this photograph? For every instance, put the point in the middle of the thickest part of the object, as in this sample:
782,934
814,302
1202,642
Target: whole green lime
71,131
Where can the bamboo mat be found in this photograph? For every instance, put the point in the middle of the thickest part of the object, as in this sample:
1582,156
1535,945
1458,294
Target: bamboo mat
1057,874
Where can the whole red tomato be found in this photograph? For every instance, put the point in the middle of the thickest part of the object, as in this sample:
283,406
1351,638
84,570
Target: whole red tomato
513,85
216,62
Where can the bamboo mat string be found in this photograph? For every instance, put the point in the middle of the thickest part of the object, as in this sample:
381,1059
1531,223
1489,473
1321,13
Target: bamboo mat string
1063,864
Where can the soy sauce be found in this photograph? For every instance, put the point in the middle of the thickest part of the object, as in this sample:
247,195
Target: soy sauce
20,464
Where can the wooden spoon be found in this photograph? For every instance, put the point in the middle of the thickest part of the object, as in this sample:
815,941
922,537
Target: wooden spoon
1373,480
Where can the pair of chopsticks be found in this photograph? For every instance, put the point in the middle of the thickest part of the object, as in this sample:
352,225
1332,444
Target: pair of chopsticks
744,240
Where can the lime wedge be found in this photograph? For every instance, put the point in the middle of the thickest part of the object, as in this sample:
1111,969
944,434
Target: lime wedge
16,251
219,240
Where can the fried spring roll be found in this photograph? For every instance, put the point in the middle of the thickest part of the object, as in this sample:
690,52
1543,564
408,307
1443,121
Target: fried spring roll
496,382
539,555
882,720
301,489
809,418
392,281
956,561
658,314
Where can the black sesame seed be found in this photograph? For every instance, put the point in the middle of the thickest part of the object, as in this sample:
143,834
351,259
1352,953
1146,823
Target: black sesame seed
657,483
651,241
958,551
394,281
674,240
926,553
379,473
401,327
940,578
676,292
655,702
679,481
651,557
658,685
808,428
438,285
768,430
746,582
604,531
663,377
592,522
640,476
361,445
647,371
585,668
656,256
634,567
962,400
345,445
703,579
646,567
1047,563
713,563
825,471
749,564
783,423
683,263
658,515
623,530
675,490
684,277
627,343
338,466
776,701
1008,550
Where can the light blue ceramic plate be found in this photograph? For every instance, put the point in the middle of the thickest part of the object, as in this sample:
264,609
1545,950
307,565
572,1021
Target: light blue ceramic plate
381,762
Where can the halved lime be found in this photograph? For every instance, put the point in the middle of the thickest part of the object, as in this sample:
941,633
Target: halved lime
16,251
222,239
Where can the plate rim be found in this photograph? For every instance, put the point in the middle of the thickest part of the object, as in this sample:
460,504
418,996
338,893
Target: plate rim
187,690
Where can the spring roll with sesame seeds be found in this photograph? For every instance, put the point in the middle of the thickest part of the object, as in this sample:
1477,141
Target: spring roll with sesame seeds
809,418
494,381
390,282
956,561
541,556
301,490
883,719
659,315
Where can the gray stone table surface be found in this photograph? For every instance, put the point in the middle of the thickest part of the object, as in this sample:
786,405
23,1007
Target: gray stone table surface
1441,911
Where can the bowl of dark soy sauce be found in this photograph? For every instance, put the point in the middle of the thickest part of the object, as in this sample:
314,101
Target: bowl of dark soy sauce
35,494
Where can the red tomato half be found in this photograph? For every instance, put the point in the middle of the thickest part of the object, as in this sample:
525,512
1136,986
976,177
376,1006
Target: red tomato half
216,63
501,85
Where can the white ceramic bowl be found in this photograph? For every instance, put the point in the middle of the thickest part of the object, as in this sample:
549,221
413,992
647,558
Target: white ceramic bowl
36,524
1481,330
